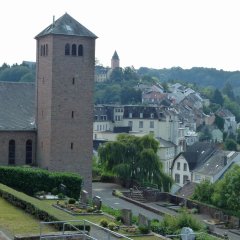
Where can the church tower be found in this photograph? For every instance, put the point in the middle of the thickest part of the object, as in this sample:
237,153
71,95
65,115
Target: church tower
65,78
115,62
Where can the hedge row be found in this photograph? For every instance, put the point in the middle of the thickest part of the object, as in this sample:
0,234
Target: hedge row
32,180
36,207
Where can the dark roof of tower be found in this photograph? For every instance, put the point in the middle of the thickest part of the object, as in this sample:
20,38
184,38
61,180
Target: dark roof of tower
66,25
115,56
17,106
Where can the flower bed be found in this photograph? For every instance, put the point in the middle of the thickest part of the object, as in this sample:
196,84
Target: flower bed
75,210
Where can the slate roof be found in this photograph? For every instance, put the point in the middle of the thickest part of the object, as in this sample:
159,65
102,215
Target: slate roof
198,153
115,56
17,106
103,110
187,190
216,163
66,25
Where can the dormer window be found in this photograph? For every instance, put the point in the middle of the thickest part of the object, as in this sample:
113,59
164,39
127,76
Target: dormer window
141,115
130,115
152,115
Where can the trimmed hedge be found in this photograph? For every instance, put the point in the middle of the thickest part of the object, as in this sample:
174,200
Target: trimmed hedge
31,180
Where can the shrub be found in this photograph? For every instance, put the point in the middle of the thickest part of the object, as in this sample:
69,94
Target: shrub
61,196
119,219
54,191
107,177
194,210
112,226
71,200
31,180
90,209
143,229
104,222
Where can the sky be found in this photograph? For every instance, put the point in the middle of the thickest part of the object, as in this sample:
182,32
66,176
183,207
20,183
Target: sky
145,33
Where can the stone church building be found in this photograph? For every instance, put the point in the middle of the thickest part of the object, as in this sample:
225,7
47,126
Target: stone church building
49,123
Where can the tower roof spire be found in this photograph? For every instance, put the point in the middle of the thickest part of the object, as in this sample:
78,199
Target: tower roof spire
66,25
115,56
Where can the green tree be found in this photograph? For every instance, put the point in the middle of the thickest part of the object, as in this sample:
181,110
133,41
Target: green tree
116,75
217,97
130,96
219,121
230,145
203,192
28,77
238,136
226,193
129,73
228,90
134,158
14,73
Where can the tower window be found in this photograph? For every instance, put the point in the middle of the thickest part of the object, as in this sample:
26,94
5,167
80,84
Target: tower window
29,152
11,152
67,49
41,50
72,114
73,80
46,49
80,50
74,50
71,145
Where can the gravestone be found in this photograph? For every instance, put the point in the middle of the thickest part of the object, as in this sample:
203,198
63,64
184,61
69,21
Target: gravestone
126,216
143,221
97,203
84,198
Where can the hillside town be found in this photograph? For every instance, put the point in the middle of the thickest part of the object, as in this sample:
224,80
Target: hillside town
94,152
190,141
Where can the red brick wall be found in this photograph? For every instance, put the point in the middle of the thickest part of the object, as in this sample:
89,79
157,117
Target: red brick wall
57,98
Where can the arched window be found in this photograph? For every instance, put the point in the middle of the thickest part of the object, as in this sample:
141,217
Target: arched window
11,152
46,49
80,50
41,50
67,49
74,50
29,152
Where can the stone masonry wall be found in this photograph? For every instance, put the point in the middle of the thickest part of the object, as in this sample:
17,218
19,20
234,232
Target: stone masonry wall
20,138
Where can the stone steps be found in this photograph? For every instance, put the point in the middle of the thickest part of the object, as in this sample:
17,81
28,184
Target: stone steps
137,196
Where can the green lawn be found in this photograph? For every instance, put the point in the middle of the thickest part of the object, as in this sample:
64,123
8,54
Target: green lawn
16,221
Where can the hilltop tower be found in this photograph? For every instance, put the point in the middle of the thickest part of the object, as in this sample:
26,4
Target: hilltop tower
65,78
115,62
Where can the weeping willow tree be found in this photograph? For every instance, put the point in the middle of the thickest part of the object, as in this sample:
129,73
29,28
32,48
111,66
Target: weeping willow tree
134,158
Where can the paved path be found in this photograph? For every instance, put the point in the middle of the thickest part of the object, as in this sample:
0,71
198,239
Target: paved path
4,236
104,190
